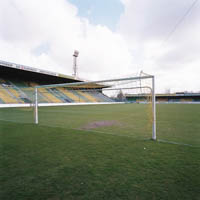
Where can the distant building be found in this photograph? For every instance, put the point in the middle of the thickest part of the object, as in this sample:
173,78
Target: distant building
175,97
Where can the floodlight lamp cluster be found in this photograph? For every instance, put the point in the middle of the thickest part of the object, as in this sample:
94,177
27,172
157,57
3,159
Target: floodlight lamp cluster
76,53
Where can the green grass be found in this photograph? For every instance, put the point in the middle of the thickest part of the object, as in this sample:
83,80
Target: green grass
61,159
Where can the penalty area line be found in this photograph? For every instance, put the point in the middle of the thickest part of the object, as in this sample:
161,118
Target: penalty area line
176,143
95,131
113,134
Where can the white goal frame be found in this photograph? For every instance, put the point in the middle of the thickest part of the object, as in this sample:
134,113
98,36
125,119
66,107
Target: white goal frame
152,88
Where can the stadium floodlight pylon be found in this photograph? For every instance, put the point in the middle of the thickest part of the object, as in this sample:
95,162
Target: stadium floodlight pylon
110,88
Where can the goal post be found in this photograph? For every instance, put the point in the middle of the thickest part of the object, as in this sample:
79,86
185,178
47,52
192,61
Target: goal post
153,109
36,106
111,91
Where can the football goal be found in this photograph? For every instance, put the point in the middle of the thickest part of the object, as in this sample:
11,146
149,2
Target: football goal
110,105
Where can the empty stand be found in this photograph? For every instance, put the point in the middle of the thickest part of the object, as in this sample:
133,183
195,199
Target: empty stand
71,94
60,92
101,97
23,92
49,96
6,97
88,96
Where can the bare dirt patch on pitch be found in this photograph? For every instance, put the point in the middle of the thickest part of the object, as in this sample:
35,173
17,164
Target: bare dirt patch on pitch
99,124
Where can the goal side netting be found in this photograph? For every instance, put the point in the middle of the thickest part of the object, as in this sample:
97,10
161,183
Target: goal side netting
121,105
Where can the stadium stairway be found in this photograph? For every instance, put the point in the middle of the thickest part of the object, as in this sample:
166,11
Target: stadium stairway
1,101
30,95
44,95
80,96
15,94
59,95
51,98
102,97
70,94
6,97
88,96
18,93
62,95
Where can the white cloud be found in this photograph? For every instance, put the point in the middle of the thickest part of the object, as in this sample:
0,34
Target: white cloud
45,33
28,26
147,23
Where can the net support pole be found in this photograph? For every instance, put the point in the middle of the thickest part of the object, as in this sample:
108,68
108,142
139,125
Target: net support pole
153,109
36,106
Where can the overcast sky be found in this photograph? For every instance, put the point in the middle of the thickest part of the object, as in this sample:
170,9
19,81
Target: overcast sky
115,38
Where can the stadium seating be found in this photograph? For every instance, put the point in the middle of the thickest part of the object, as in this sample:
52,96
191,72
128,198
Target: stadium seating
88,96
6,96
66,94
23,92
186,100
73,95
100,96
51,98
16,91
59,94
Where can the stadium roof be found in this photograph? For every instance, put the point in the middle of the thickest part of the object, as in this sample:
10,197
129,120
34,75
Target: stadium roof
20,72
22,69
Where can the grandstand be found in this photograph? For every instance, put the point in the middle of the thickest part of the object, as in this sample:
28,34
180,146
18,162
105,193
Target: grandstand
179,97
17,84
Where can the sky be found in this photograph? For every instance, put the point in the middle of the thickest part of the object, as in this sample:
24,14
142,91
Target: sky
106,13
115,38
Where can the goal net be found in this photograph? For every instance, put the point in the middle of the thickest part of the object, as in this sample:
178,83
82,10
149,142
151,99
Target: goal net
123,106
16,103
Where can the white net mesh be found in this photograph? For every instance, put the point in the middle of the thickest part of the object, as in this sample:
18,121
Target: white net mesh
115,106
120,106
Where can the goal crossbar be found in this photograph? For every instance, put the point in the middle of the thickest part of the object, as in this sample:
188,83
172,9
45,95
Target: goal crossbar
90,82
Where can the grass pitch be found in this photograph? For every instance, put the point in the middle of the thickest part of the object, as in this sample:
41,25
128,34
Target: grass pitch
100,152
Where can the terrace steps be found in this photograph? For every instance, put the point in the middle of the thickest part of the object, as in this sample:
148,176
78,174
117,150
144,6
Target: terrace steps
6,97
88,96
71,95
51,98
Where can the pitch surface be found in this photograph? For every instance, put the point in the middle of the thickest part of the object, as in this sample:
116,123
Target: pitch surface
100,152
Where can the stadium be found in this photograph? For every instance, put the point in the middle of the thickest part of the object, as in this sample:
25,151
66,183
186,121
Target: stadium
179,97
18,81
66,138
16,78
